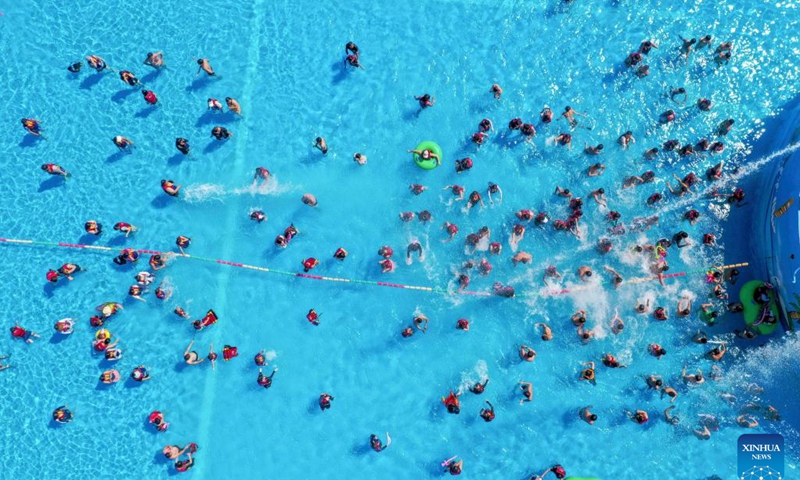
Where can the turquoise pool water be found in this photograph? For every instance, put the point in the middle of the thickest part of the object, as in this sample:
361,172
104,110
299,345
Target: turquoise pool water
283,62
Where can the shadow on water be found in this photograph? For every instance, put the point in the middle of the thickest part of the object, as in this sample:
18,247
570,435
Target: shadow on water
151,76
213,146
146,112
198,83
91,81
161,201
175,159
88,239
411,115
214,117
118,155
30,140
51,183
361,448
58,338
117,241
339,72
120,96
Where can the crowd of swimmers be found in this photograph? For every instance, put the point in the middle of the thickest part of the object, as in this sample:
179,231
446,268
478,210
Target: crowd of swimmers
106,344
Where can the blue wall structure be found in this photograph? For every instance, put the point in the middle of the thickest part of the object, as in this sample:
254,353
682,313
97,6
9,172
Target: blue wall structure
775,247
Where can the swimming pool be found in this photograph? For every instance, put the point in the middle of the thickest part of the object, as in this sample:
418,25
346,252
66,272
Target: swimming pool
283,62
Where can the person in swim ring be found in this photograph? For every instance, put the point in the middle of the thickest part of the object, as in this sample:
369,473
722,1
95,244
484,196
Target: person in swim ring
92,227
265,381
68,269
113,354
221,133
62,415
140,374
96,62
425,101
325,400
122,143
110,376
156,419
64,326
452,403
52,276
426,155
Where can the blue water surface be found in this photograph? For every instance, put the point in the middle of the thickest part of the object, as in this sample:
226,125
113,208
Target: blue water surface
283,61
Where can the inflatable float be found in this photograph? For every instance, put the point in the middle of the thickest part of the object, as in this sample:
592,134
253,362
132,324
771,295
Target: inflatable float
756,312
429,163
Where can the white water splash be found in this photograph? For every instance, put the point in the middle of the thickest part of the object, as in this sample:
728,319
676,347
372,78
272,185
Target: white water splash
203,192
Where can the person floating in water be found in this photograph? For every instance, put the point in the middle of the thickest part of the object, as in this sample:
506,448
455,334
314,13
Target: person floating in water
376,444
425,101
154,59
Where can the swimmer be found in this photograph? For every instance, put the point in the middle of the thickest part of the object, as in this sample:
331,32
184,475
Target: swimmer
75,67
616,278
375,442
451,229
642,71
626,139
309,264
416,188
479,388
494,189
702,433
452,403
170,188
596,170
457,190
478,138
360,159
679,239
528,131
588,373
561,192
154,59
425,101
158,262
654,382
122,143
586,415
563,139
517,234
725,127
670,419
551,272
599,196
140,374
527,353
584,273
611,361
569,114
150,97
639,416
677,92
496,90
527,392
686,48
704,104
667,116
172,452
656,350
421,323
309,200
473,199
54,169
191,357
340,254
96,62
771,413
617,324
584,335
722,58
265,381
426,155
633,59
221,133
579,318
746,421
547,332
546,115
69,269
214,105
128,78
325,400
92,227
353,61
182,145
204,66
515,124
386,265
462,324
487,414
693,379
717,353
522,257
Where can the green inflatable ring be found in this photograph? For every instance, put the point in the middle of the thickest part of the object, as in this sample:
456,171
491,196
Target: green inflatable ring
752,309
430,163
